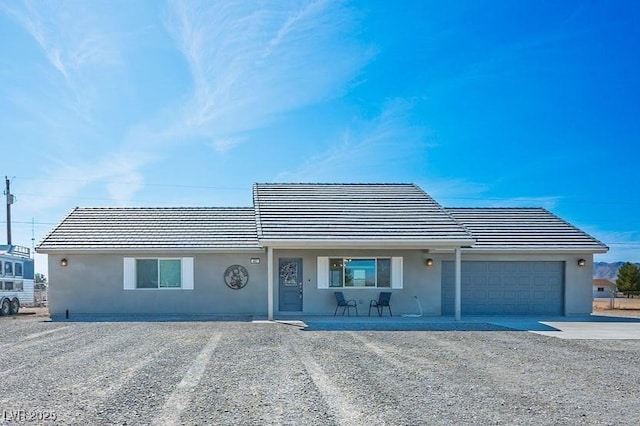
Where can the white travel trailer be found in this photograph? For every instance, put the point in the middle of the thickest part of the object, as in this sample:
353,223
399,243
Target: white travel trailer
16,278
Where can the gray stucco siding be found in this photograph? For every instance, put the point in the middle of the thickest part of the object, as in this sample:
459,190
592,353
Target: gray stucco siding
93,284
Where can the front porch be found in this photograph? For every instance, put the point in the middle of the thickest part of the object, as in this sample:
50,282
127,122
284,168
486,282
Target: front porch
414,274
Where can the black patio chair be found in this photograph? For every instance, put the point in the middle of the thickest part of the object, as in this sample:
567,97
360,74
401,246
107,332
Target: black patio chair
383,301
346,305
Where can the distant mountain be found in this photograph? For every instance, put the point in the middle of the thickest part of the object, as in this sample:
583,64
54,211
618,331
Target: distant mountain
607,271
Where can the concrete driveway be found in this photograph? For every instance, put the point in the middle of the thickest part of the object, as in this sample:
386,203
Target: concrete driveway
592,327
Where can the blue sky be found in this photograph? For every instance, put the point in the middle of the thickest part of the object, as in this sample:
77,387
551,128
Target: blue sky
481,103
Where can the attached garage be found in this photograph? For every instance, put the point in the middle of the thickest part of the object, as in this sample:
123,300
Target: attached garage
505,288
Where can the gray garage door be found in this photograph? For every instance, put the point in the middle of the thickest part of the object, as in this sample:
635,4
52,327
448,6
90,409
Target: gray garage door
505,288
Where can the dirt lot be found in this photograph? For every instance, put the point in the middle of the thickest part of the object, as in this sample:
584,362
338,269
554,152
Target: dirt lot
246,373
622,307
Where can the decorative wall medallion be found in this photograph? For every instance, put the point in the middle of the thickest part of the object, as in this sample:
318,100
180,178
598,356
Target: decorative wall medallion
236,277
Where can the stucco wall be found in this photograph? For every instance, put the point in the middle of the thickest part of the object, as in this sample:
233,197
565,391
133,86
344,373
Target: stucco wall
93,284
419,280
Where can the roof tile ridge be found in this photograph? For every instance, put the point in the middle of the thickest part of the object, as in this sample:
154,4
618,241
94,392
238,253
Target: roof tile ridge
449,215
494,208
167,208
256,209
334,183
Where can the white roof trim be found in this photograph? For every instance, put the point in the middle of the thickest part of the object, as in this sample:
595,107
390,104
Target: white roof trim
76,250
526,250
370,244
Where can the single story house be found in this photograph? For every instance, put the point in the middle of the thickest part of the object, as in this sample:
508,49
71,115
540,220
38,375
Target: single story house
603,288
299,243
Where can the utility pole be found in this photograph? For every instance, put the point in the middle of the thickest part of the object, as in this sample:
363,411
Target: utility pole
10,200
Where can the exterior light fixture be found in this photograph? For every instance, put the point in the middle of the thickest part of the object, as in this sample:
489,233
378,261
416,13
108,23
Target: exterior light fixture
429,262
255,260
582,262
64,262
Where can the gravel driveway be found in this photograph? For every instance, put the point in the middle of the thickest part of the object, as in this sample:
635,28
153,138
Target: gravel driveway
244,373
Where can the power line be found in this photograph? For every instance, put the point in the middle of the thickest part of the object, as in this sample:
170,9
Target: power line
30,223
519,200
166,185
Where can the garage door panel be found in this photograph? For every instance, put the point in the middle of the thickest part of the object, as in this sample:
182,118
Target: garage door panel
493,288
525,280
507,296
480,294
478,269
540,280
525,297
510,267
540,267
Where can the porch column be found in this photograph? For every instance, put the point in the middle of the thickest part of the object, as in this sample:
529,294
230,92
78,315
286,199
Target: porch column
270,283
458,285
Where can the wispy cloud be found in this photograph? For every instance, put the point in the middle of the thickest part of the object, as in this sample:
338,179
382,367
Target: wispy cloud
64,180
249,64
225,144
252,61
291,23
83,49
387,147
73,39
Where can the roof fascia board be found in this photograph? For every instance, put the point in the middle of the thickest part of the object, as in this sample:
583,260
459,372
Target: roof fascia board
77,250
528,250
372,244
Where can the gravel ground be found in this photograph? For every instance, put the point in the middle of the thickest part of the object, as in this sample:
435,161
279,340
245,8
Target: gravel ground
243,373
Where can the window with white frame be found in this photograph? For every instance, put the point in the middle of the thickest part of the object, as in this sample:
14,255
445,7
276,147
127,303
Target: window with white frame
8,268
370,272
158,273
18,269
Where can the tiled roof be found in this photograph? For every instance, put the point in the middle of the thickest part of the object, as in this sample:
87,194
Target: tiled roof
352,212
601,282
523,229
315,215
154,228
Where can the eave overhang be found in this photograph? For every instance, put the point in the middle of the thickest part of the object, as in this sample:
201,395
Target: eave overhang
532,250
368,244
93,250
